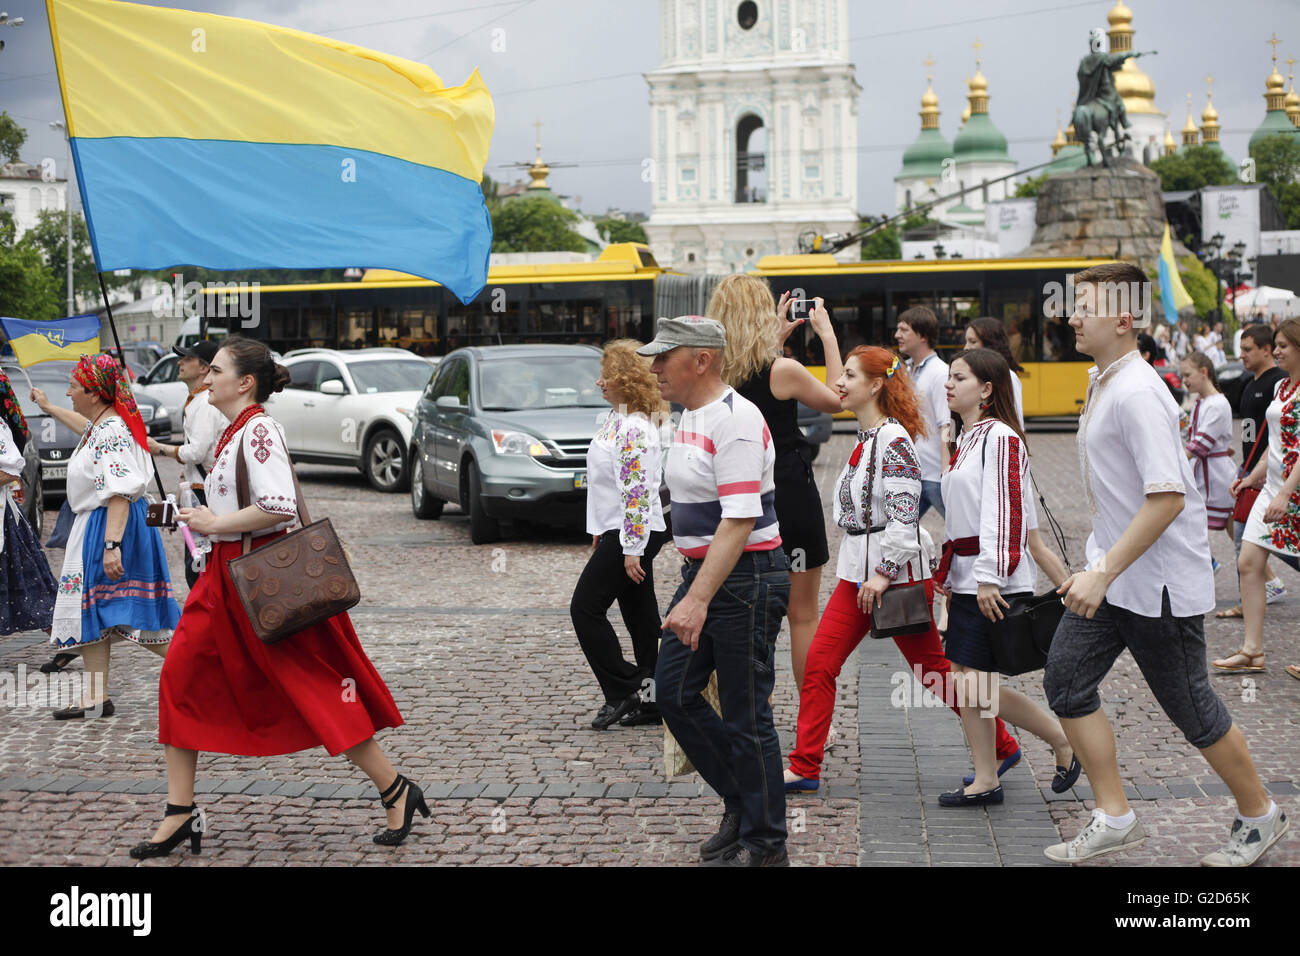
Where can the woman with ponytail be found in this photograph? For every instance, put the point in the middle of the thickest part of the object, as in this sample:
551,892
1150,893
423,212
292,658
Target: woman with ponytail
877,504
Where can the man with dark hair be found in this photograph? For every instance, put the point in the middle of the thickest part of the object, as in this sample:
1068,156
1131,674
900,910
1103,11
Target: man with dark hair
1147,586
917,335
1256,350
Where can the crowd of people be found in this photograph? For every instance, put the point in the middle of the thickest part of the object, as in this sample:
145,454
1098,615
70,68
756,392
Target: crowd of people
731,482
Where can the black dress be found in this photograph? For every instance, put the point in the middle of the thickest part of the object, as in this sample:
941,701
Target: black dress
798,505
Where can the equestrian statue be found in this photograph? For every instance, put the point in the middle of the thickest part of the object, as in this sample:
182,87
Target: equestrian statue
1099,106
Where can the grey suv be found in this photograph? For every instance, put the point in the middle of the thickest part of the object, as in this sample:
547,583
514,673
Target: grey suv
503,431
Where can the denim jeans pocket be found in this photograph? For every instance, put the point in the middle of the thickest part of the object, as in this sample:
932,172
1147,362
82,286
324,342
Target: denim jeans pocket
741,588
772,597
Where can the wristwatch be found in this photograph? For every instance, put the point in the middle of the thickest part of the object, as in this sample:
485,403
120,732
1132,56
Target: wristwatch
112,545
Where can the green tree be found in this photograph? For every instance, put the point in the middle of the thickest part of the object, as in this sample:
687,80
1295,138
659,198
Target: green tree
1277,166
1031,187
491,195
1194,167
27,290
49,237
1202,286
887,243
620,230
535,224
12,138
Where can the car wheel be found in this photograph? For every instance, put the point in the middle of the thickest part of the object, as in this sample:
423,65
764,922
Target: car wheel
482,528
423,504
385,461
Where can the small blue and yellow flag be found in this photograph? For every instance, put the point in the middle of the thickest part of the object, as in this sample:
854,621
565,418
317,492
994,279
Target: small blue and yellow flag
1173,294
61,340
212,141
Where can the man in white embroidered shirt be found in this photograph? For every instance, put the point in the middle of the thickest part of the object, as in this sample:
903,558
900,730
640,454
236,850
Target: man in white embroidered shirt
1147,585
203,426
917,336
735,587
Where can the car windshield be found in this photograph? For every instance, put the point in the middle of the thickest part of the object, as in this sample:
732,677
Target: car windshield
507,385
401,375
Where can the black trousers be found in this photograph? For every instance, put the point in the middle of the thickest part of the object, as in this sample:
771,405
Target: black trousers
602,582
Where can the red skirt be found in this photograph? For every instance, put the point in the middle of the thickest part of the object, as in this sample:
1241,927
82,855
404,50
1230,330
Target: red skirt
223,691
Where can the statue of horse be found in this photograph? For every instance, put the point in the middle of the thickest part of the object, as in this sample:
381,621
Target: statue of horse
1094,119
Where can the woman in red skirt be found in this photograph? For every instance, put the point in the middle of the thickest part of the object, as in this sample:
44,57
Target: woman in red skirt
222,689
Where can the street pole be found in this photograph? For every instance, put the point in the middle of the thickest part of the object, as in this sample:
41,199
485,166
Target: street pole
67,201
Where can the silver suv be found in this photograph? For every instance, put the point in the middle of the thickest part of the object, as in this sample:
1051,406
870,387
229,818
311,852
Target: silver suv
503,431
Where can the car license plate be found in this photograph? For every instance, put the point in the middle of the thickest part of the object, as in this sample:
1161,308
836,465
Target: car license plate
580,480
54,471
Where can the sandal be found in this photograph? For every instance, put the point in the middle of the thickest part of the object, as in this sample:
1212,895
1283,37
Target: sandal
1232,612
1250,667
1293,671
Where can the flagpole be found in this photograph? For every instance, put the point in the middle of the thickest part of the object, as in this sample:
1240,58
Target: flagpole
121,357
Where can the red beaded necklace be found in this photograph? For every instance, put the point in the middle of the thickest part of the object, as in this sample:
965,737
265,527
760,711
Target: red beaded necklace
240,421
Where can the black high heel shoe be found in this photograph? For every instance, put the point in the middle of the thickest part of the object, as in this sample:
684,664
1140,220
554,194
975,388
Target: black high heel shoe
414,799
148,849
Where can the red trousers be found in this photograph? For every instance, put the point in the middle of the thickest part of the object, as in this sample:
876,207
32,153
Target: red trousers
840,630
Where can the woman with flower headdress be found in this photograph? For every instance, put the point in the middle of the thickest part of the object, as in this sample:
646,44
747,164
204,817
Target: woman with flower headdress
114,585
28,604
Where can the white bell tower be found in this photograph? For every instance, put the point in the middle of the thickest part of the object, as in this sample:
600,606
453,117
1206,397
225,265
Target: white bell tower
753,119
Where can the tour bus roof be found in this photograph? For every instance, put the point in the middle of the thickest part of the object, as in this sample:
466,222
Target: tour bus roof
824,262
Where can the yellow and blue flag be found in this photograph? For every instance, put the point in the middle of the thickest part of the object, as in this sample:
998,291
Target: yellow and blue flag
61,340
1173,294
212,141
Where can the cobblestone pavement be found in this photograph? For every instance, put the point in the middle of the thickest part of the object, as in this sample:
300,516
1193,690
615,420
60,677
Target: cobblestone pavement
476,646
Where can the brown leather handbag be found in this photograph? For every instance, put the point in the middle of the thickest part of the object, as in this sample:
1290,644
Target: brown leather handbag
295,581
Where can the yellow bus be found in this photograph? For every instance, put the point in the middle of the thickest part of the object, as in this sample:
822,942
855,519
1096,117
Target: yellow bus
622,292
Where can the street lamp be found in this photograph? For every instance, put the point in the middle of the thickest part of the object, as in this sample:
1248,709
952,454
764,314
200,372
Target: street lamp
6,22
939,251
67,201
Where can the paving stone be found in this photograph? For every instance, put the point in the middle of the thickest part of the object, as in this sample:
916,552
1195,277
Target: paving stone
499,791
467,791
321,791
234,786
589,791
1182,791
529,790
1281,788
351,791
261,787
1215,788
438,791
293,788
621,790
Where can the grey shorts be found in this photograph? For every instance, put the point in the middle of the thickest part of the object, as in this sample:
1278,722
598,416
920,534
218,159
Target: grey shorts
1170,652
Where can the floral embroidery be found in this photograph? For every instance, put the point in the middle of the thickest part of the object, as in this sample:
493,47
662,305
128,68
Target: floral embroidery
636,492
1286,533
889,569
902,506
117,469
70,583
900,461
107,441
99,482
222,490
278,505
261,443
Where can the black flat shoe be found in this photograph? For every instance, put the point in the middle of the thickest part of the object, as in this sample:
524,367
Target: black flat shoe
642,715
76,713
727,837
612,713
192,828
740,856
57,663
1066,778
959,797
414,801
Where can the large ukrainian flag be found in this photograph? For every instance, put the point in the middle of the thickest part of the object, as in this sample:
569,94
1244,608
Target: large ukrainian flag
212,141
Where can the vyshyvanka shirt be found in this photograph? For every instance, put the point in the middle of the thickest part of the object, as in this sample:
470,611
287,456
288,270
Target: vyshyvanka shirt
623,476
1129,447
720,466
987,495
1209,440
881,491
270,476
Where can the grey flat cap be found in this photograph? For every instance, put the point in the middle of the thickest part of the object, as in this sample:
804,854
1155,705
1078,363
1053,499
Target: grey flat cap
693,331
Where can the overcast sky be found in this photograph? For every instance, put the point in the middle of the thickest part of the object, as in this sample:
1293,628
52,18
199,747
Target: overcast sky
576,66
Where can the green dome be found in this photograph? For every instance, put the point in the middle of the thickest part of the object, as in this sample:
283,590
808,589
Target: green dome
980,142
1275,121
1218,147
924,158
1070,158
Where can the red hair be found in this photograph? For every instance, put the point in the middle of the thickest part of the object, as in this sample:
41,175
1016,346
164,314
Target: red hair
896,399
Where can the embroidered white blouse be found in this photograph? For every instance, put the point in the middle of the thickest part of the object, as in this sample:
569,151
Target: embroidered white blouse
270,475
987,495
892,484
623,478
1209,439
105,464
1129,448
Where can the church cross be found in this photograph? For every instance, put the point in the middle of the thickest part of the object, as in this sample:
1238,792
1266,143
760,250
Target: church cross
1273,42
978,46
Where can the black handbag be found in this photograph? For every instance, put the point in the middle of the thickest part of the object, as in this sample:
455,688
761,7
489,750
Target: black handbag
1021,640
904,608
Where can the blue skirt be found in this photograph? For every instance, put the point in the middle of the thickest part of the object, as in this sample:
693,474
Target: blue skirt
967,642
28,603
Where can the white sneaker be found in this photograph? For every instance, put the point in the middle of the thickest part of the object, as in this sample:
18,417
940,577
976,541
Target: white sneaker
1097,839
831,737
1274,590
1248,841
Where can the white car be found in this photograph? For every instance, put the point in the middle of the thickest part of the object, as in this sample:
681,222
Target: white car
351,408
161,384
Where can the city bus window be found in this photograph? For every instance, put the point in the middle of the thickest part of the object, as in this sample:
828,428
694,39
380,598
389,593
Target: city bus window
1019,311
318,325
354,327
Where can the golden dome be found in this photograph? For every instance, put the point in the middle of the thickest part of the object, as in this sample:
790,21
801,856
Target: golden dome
1133,86
929,99
1276,81
978,84
1171,146
1292,100
1119,16
1060,138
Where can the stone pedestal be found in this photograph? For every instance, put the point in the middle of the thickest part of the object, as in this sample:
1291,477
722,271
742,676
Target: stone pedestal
1115,213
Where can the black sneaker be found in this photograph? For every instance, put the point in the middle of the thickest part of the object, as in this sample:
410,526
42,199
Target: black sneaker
611,713
644,714
742,856
727,837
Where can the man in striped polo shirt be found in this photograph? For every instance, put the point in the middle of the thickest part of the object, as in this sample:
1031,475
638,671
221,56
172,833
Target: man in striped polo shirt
735,586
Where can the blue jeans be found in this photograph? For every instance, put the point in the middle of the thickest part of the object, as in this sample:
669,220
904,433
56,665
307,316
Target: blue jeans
932,497
737,754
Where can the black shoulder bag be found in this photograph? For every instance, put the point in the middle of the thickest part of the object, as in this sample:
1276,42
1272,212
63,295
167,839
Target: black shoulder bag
1021,640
